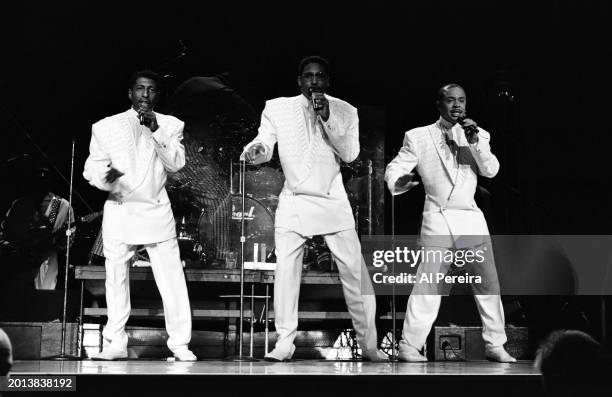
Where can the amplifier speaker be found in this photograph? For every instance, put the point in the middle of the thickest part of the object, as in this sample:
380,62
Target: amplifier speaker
466,343
35,340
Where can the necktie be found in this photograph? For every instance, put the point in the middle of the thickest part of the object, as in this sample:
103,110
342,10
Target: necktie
451,144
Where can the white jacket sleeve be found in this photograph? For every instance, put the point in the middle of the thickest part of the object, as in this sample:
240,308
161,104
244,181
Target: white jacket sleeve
488,165
169,146
403,164
98,163
342,131
266,135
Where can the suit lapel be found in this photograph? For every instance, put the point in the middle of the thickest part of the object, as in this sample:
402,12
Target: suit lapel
131,144
139,158
302,129
436,139
463,154
123,146
301,138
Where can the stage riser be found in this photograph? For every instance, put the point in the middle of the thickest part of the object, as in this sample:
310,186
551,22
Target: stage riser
32,341
146,342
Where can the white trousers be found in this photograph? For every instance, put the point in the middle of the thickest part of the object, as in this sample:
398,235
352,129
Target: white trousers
346,251
422,311
170,279
424,304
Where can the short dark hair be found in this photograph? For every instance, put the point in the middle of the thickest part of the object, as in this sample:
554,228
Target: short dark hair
147,73
445,88
313,59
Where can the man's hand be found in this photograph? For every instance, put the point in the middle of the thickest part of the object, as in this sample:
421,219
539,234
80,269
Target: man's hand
148,119
254,152
406,182
471,130
321,105
112,175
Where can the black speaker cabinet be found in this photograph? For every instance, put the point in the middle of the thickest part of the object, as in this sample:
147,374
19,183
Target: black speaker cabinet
34,341
466,343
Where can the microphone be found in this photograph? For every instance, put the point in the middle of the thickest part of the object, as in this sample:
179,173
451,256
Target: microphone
315,105
470,131
141,117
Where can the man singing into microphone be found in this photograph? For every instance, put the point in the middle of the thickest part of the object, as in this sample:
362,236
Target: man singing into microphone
314,132
130,155
449,155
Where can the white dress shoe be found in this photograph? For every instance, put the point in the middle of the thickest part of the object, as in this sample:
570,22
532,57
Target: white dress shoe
499,354
409,354
277,355
374,355
111,353
184,355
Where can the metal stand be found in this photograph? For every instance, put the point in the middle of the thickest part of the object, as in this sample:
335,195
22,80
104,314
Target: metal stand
62,356
240,357
252,333
370,170
267,318
393,356
604,331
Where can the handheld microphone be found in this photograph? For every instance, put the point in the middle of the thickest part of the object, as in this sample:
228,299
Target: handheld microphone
470,131
141,111
315,104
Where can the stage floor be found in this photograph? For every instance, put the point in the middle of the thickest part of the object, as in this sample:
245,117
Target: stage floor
262,368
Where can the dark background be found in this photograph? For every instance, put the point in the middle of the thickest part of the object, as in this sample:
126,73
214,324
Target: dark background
63,68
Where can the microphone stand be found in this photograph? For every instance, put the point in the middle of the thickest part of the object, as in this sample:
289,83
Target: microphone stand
240,357
393,356
62,356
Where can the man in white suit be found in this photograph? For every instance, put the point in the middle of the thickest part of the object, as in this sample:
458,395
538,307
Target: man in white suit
448,155
129,156
314,132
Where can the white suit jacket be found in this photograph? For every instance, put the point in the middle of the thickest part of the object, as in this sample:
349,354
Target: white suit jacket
450,209
137,210
313,200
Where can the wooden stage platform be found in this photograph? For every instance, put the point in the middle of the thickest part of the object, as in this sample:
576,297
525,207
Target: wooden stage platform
298,377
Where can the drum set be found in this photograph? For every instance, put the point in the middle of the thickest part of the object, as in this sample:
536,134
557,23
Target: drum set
210,237
214,237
